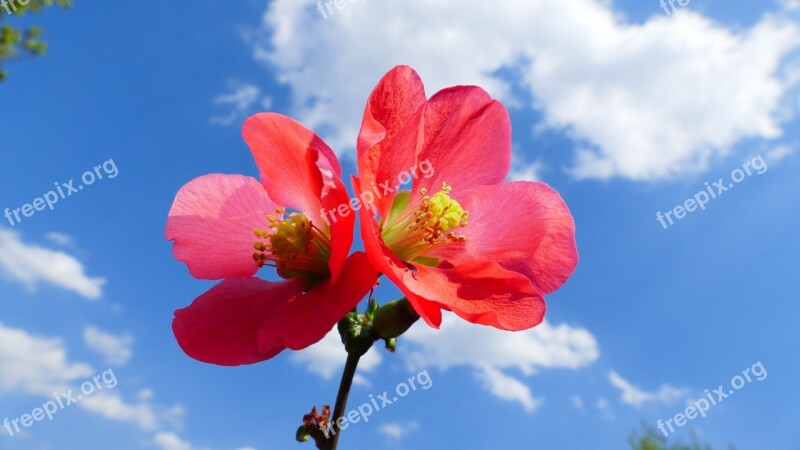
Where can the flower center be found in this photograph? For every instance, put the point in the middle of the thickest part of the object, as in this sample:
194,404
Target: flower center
294,246
413,231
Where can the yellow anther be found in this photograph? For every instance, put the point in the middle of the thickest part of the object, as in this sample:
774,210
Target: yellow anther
424,224
294,246
445,213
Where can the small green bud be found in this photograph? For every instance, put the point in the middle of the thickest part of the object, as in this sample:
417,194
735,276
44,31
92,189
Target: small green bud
302,434
394,318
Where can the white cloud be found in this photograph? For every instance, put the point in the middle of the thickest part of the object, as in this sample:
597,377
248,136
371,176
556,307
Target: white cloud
508,388
144,415
790,5
61,239
36,365
116,350
779,152
490,352
460,343
577,402
39,366
641,101
397,430
145,394
31,264
111,406
525,171
636,397
171,441
604,406
240,101
326,358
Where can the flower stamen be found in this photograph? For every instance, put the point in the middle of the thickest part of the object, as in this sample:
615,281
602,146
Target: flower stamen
413,231
294,246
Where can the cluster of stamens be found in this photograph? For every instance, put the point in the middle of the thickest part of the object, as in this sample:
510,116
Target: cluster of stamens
294,246
425,225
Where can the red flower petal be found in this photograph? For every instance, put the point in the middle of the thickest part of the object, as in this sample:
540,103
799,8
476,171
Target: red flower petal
221,326
387,263
301,172
212,222
480,292
307,318
467,140
525,227
387,142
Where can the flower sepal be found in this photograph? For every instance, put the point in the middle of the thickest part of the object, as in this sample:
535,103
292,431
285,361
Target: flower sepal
356,333
387,323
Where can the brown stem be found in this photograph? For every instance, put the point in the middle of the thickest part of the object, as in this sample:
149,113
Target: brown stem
341,399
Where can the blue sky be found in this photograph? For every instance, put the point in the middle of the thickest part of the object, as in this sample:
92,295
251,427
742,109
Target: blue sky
622,109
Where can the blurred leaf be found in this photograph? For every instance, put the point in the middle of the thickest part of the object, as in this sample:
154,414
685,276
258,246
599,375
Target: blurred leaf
17,43
652,439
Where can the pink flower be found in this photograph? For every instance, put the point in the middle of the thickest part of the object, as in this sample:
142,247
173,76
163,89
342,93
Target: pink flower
461,239
228,226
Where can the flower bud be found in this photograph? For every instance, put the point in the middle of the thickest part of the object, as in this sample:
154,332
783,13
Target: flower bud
394,318
302,434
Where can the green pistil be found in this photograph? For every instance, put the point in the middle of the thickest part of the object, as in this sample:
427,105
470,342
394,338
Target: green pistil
411,231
